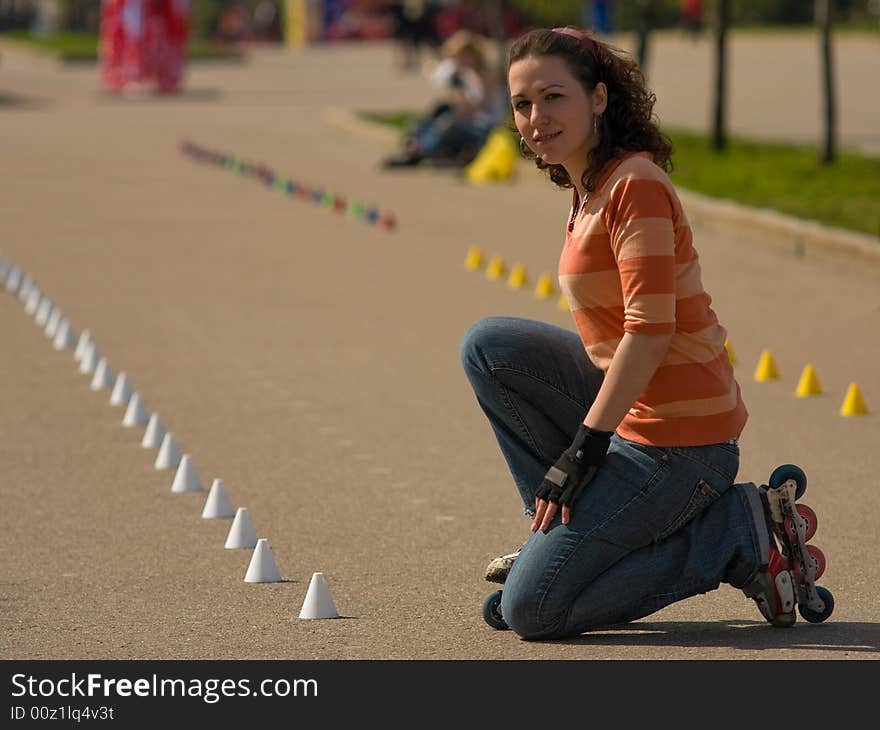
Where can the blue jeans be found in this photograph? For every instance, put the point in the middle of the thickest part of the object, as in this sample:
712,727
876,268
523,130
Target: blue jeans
656,525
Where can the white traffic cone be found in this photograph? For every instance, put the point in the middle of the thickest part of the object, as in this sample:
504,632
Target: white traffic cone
43,312
13,279
121,391
186,479
24,289
262,568
5,266
82,344
90,359
103,377
217,505
52,323
318,602
135,413
169,453
241,532
154,434
65,337
33,301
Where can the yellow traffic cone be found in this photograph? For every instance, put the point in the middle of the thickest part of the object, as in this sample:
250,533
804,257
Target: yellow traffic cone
766,369
496,160
517,278
808,384
545,287
562,303
474,258
853,403
496,268
730,353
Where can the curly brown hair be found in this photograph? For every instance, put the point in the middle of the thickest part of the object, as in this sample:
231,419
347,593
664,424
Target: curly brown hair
628,123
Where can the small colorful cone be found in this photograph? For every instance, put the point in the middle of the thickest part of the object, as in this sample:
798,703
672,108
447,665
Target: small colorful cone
318,602
13,279
766,369
262,568
154,434
517,278
85,338
121,393
473,261
24,289
853,402
730,353
241,532
217,505
186,479
562,303
169,453
103,377
388,221
44,311
808,384
495,268
545,288
33,301
65,337
52,323
89,360
135,414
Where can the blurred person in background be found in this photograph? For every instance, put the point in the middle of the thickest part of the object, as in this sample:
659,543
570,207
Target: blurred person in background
622,436
414,30
472,104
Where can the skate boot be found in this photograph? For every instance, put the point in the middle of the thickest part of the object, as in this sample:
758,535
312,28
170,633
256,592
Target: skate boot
793,567
496,572
498,568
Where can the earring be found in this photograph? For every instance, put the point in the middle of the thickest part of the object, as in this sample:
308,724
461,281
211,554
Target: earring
596,123
523,147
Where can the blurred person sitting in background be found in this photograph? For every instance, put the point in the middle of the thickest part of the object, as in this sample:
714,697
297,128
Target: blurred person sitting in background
474,102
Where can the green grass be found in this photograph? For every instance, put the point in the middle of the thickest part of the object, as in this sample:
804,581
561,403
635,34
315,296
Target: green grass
83,47
786,178
781,177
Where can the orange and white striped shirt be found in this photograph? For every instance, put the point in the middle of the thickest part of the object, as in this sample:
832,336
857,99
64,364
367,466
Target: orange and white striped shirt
629,265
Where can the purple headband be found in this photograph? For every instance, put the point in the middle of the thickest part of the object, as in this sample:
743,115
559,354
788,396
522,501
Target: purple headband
581,38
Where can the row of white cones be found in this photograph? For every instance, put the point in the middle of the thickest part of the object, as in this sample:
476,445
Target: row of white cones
318,602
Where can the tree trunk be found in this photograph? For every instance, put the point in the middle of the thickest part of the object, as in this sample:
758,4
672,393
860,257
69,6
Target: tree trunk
719,134
828,151
643,30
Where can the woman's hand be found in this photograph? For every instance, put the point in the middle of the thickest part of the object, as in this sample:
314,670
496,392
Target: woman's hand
567,478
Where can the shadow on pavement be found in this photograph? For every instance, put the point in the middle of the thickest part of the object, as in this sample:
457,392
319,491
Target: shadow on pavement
12,101
205,94
746,635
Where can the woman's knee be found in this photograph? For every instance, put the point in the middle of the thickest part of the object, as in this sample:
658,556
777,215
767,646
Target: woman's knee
522,614
478,341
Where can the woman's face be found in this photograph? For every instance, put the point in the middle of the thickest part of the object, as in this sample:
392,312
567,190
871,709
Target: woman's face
553,112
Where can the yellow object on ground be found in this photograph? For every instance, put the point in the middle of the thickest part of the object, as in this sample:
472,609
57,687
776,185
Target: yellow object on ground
496,268
808,384
496,161
545,287
766,369
474,259
517,278
854,402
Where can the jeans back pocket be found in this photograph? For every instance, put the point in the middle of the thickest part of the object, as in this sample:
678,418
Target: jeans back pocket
701,497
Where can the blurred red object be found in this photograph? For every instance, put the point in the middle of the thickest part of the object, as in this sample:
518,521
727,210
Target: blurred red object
143,41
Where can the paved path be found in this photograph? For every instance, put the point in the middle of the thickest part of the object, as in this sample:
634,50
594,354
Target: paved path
311,361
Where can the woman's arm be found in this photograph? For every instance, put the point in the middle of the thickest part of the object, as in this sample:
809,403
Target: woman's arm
634,363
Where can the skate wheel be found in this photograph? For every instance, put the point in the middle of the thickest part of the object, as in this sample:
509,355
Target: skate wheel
817,617
492,611
817,560
809,517
783,473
